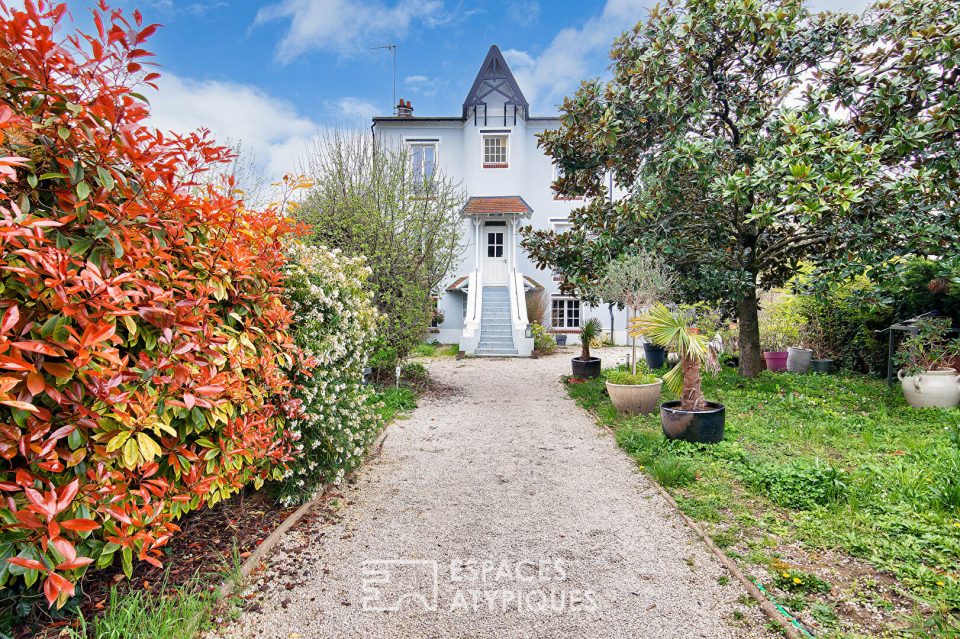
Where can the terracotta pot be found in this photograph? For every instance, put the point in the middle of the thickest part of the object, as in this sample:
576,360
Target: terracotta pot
798,359
776,360
704,426
586,368
931,389
635,399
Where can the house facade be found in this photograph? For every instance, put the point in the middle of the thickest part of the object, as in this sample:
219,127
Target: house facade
491,148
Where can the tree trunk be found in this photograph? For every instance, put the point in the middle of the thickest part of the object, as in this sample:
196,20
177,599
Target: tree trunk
749,340
692,396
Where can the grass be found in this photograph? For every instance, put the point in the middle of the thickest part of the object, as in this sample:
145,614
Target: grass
435,349
821,463
177,612
394,401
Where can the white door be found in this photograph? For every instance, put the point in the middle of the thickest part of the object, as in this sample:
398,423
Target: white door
495,260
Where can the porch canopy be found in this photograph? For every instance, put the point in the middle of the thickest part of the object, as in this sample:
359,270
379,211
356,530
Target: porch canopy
493,207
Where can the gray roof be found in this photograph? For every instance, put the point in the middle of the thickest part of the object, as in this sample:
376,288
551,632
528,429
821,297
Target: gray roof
494,77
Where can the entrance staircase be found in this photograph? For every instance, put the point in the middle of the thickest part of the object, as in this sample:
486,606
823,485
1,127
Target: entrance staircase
496,334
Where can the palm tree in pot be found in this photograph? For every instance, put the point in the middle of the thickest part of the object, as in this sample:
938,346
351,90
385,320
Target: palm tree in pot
585,365
692,417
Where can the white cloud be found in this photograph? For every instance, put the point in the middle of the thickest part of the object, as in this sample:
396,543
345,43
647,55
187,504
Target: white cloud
346,26
352,111
269,127
572,54
421,85
524,13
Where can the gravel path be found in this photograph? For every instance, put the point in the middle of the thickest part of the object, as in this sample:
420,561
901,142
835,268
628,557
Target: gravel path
523,512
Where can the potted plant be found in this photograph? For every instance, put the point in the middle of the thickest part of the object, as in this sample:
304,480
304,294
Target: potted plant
779,327
586,366
815,337
634,394
639,281
926,379
798,359
692,417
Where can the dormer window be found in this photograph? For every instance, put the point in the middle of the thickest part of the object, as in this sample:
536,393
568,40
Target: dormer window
496,152
423,162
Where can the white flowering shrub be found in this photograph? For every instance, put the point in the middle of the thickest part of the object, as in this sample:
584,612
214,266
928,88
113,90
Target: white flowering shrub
334,324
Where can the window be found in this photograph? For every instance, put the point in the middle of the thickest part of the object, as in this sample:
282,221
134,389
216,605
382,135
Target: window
495,154
566,313
437,318
494,244
464,306
423,163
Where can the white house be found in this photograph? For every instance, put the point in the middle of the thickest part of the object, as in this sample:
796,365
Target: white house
491,147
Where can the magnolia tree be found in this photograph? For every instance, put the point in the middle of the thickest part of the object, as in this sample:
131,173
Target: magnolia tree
334,325
638,282
367,200
750,136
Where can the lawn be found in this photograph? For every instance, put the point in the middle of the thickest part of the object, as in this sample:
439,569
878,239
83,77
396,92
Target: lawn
841,500
435,349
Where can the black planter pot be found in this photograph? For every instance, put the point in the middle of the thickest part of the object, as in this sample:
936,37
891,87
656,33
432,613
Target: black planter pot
821,365
656,356
586,368
705,426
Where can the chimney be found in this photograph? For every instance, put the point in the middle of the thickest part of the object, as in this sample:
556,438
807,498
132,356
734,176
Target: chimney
404,109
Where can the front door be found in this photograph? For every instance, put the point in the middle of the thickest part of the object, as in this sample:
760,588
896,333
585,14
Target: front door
495,260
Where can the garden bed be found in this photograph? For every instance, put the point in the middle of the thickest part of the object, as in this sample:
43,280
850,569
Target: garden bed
839,499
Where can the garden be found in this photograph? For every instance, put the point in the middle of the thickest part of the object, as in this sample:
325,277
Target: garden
771,192
768,190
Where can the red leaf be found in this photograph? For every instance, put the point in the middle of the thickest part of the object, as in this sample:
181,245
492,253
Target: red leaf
67,493
189,400
58,370
39,347
21,405
36,383
210,390
29,564
96,333
59,585
10,319
79,562
80,525
64,547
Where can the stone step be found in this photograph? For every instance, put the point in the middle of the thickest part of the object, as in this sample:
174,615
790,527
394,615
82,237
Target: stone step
482,352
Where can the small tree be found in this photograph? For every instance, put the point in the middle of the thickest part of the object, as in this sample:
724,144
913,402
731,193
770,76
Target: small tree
637,281
366,200
670,329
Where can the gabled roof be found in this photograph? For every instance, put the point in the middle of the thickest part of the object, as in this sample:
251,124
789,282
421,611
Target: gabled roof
494,205
494,77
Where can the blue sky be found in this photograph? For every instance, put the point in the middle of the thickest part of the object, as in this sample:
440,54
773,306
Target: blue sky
272,75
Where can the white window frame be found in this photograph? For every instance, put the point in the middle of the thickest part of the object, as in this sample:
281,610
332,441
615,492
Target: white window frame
494,166
423,142
566,305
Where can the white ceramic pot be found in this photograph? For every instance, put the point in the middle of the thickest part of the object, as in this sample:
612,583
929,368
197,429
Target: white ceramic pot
635,399
798,359
931,389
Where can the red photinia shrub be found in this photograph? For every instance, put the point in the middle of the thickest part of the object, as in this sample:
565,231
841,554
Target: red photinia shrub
141,326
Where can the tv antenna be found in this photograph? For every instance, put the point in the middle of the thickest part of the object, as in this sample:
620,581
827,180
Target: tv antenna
393,51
